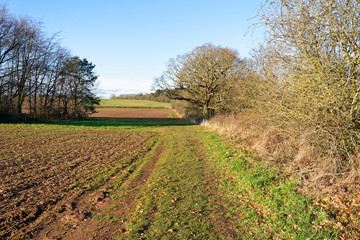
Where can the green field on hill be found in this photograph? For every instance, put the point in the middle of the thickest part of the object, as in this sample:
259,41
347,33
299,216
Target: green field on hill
129,103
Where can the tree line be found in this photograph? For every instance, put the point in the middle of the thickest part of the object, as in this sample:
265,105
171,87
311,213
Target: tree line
38,77
158,96
302,85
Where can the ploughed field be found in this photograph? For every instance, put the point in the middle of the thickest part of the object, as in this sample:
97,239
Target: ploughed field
43,168
138,109
133,113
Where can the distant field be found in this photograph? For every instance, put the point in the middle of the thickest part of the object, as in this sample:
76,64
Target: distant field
126,103
134,113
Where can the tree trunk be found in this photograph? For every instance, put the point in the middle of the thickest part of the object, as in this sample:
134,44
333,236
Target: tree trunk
206,111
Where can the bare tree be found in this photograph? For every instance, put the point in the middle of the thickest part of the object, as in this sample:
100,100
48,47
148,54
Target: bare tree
9,40
201,77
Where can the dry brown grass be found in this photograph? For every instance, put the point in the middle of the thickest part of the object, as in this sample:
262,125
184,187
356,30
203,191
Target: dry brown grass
296,153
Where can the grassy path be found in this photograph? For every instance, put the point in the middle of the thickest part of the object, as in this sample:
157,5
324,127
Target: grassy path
176,203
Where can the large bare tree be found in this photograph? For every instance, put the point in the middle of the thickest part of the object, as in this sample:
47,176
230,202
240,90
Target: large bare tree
201,77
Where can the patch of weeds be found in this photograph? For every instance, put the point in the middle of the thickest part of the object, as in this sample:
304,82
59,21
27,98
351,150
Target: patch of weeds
107,217
119,196
116,206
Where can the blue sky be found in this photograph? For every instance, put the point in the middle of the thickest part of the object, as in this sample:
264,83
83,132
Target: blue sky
130,41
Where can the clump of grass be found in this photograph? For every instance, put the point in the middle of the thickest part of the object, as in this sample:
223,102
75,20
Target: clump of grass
115,206
107,217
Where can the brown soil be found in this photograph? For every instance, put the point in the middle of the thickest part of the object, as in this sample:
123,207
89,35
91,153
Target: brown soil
43,169
103,213
132,113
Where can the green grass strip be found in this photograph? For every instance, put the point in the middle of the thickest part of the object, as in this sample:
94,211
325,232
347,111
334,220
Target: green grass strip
271,205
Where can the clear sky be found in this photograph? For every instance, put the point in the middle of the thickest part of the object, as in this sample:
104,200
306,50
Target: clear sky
130,41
